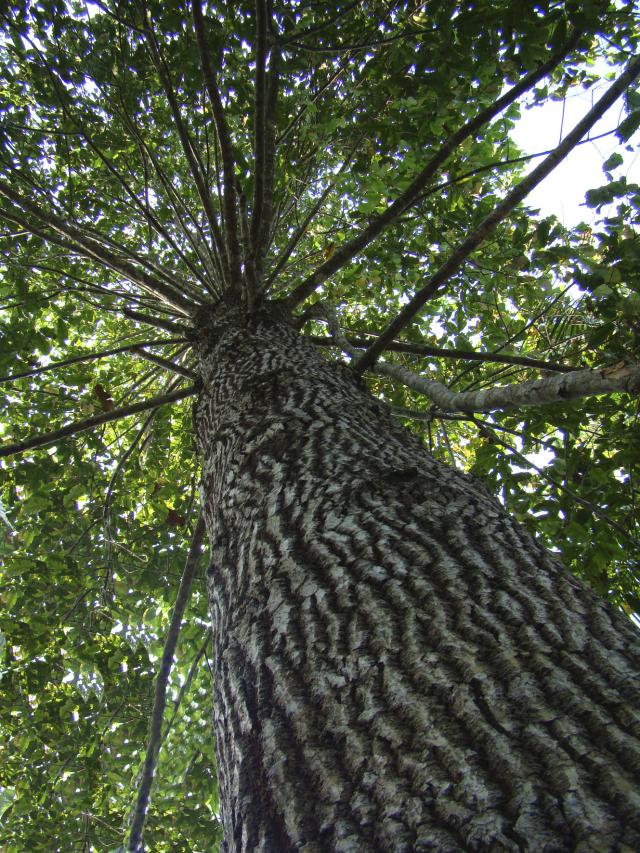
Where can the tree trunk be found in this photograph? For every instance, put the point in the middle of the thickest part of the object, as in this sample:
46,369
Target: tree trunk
398,665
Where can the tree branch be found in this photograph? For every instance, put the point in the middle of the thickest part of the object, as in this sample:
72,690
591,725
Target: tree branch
500,212
158,322
441,352
300,231
165,363
92,356
186,142
266,216
49,438
259,121
89,247
538,392
346,252
155,729
224,140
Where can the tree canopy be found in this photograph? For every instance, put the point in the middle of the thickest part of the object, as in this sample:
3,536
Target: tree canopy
353,160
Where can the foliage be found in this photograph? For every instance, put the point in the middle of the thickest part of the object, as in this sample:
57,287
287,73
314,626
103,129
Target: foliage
368,92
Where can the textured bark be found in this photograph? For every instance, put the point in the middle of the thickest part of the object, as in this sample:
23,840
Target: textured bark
398,665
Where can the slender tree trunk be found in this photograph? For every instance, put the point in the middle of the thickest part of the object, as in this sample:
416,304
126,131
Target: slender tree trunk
398,665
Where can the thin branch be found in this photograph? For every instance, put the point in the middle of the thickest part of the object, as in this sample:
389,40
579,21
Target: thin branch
259,120
316,28
166,363
224,140
499,213
158,322
92,356
346,252
187,683
88,247
595,509
155,729
49,438
175,200
266,216
301,230
106,511
186,142
441,352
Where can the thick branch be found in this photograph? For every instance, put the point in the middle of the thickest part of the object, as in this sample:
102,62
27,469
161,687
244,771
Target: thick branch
49,438
162,679
345,253
464,249
539,392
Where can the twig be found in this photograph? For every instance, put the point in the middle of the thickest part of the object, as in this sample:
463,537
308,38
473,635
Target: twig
155,730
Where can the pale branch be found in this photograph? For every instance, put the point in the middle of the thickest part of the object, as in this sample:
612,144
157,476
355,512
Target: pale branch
538,392
442,352
88,247
165,363
135,346
158,322
48,438
160,699
187,145
224,140
394,210
406,315
594,508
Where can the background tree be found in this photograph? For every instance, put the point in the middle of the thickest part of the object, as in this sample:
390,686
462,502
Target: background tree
354,166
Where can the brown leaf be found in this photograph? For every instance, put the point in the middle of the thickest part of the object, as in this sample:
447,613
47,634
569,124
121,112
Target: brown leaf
174,519
104,398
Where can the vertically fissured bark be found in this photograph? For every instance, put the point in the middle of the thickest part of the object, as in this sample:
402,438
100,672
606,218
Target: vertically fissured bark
398,665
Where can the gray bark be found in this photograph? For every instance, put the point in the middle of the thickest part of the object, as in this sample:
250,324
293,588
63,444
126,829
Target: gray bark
398,665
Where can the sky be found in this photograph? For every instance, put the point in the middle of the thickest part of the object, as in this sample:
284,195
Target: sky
541,128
